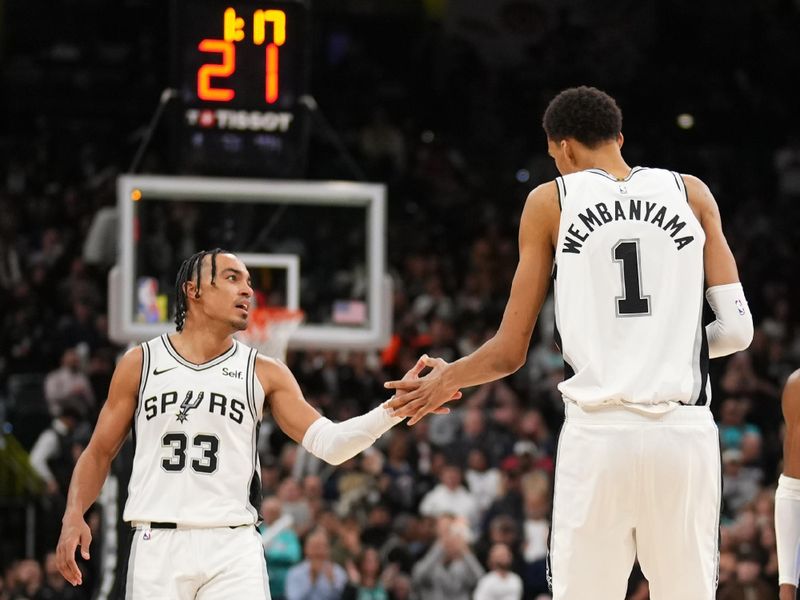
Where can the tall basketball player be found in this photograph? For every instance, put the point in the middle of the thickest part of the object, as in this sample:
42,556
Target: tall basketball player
630,249
787,496
195,400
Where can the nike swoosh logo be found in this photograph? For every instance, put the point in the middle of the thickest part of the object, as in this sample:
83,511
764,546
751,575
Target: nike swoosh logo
157,372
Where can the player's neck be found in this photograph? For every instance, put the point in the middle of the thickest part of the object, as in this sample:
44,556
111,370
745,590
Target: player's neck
201,344
607,158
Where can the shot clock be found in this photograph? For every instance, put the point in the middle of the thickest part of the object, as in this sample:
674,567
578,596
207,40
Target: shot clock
240,68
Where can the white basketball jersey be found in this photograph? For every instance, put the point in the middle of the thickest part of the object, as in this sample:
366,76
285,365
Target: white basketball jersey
629,291
195,429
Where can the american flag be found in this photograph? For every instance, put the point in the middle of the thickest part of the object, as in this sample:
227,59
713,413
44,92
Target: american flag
349,312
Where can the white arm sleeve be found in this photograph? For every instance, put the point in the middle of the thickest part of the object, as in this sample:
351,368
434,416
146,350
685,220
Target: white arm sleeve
733,329
787,529
337,442
43,450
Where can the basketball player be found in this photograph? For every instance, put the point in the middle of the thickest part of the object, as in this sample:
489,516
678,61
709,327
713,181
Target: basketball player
787,496
195,399
638,467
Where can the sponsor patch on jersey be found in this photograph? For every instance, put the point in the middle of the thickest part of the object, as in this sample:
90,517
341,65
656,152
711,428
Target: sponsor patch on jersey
232,373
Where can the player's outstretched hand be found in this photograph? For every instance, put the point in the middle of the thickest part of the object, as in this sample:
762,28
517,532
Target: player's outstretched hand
413,375
418,396
74,532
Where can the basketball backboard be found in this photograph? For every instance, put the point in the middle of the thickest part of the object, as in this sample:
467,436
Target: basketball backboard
316,246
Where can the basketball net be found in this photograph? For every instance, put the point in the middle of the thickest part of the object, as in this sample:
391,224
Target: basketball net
269,330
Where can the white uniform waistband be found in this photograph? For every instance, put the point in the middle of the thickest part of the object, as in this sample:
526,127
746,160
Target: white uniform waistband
617,413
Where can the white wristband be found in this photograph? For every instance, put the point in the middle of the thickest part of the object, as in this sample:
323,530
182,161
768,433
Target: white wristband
733,329
337,442
787,529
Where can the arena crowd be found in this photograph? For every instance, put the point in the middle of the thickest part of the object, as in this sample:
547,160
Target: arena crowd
457,506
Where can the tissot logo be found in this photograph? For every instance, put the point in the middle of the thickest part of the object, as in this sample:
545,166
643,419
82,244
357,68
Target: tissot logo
239,120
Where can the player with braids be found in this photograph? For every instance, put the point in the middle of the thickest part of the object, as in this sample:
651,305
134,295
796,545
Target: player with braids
191,268
195,399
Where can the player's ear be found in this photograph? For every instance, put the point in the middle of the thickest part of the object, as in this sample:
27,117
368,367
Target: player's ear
620,140
569,152
191,289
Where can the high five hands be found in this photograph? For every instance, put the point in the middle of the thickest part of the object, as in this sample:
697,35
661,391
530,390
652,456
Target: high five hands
418,396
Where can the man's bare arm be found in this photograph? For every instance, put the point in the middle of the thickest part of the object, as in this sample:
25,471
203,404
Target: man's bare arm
718,261
732,330
93,465
787,495
790,402
507,350
332,442
286,402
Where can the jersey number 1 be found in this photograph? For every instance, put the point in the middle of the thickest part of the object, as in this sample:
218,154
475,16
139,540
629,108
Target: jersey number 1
631,303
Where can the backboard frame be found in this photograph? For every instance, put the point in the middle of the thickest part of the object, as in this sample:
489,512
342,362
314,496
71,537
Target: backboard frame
371,196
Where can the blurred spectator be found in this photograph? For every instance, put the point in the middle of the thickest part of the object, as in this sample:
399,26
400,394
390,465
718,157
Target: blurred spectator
281,545
747,584
400,587
270,477
52,456
449,571
537,522
403,545
740,484
378,527
366,582
510,500
312,491
10,264
533,428
500,581
483,481
359,486
450,497
398,485
316,578
741,379
78,328
346,545
295,506
27,581
68,382
735,433
434,302
727,568
477,433
50,251
55,586
502,530
787,166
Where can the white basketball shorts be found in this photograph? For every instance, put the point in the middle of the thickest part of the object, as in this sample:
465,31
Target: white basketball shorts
220,563
630,485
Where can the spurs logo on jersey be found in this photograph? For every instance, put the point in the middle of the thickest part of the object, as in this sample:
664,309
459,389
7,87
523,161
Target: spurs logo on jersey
195,460
629,290
217,404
